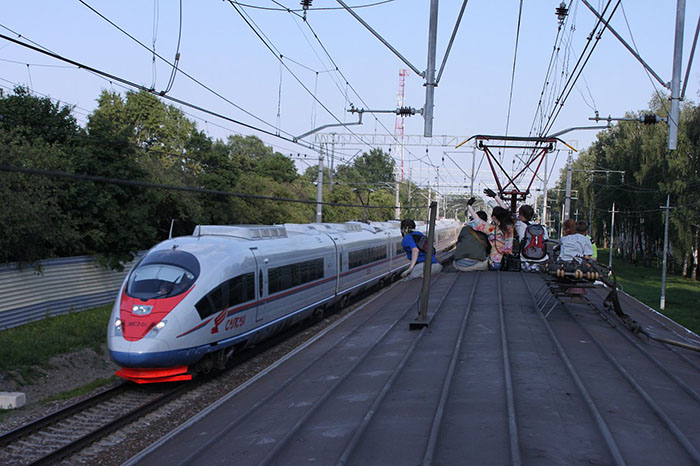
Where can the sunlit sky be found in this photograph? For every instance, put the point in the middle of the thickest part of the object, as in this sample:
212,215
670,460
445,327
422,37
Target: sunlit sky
220,49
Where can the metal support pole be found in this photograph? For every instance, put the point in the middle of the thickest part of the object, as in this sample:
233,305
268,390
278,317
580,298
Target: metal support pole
662,303
612,235
330,169
319,190
398,204
567,201
676,79
427,264
471,185
545,199
430,71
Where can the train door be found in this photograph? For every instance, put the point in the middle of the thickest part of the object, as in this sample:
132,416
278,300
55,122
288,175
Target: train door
261,283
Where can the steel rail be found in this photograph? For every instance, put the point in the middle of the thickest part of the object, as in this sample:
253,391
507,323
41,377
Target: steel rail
69,447
359,432
78,444
281,443
64,413
669,344
512,422
660,413
449,378
597,416
687,388
236,422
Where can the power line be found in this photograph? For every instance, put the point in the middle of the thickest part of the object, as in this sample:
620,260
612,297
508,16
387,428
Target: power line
151,91
217,94
146,184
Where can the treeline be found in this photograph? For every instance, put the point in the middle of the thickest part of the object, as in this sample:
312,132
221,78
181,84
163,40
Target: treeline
651,172
137,137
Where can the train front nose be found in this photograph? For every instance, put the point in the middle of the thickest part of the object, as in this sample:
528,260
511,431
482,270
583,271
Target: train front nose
151,352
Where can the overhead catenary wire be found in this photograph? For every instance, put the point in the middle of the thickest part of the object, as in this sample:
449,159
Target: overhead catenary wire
151,91
147,184
566,91
258,32
515,59
195,80
337,69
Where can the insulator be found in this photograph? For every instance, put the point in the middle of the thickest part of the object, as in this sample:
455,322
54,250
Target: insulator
650,119
405,111
305,4
562,12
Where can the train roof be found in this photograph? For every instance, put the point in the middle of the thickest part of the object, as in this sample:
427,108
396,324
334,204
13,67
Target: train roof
503,375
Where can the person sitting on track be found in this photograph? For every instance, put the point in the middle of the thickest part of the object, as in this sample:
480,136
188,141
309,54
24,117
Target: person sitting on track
500,233
473,246
414,253
528,262
575,246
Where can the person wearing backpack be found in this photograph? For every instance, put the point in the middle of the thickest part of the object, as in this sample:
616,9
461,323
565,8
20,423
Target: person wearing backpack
473,246
532,238
415,244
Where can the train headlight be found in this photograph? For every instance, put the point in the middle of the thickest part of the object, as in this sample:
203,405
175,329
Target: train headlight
117,326
159,326
141,310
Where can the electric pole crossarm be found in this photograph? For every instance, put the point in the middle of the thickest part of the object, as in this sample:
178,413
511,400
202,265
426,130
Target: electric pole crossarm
315,130
635,54
381,39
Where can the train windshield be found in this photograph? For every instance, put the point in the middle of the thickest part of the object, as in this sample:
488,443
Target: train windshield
163,274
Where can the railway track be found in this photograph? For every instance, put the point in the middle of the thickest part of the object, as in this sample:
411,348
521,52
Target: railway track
67,431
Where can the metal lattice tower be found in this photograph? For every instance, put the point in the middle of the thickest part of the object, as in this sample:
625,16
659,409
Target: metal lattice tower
399,125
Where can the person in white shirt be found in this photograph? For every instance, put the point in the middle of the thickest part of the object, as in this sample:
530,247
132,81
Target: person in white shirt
576,246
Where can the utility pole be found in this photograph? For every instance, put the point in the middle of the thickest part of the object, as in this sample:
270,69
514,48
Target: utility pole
430,71
330,169
319,189
471,185
567,201
662,303
397,214
545,200
676,78
612,235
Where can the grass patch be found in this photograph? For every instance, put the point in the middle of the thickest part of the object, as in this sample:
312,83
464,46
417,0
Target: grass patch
36,342
80,390
644,283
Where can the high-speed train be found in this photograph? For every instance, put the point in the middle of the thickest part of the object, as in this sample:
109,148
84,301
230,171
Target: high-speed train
192,301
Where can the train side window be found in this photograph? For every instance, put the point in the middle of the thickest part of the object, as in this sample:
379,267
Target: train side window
204,307
289,276
366,256
241,289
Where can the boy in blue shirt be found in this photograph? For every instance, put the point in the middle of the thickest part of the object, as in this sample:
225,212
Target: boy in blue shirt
413,252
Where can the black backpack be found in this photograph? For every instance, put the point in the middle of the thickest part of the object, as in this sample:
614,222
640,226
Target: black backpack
532,245
421,241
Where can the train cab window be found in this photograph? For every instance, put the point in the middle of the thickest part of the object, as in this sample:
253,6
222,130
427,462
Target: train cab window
163,274
155,281
289,276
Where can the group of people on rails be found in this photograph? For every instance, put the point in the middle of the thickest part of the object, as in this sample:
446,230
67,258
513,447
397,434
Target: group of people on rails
501,242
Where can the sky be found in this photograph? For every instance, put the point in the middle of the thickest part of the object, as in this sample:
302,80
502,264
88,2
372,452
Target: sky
330,60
